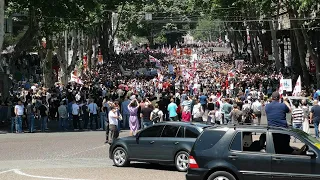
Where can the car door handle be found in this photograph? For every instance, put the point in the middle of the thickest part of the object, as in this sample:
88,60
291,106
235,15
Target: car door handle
151,142
233,157
277,159
176,143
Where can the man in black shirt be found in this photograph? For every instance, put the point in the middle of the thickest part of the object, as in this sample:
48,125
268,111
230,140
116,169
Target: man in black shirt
163,107
145,115
43,112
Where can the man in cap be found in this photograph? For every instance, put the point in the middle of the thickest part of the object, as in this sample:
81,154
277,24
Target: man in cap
276,111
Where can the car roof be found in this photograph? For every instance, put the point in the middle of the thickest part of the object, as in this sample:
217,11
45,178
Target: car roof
250,127
179,123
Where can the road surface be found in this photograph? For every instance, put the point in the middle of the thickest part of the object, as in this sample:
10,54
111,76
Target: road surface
69,156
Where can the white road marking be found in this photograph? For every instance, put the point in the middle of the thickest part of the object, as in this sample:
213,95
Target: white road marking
17,171
84,151
2,172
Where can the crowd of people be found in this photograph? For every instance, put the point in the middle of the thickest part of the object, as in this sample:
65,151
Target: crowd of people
207,88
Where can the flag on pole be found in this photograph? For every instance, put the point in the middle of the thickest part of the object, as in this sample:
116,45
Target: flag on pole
231,74
75,79
297,88
281,86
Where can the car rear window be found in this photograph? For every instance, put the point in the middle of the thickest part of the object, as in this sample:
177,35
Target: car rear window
208,139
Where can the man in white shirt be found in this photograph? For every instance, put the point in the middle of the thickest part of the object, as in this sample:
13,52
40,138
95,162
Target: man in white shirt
75,114
256,108
113,123
78,97
93,109
19,111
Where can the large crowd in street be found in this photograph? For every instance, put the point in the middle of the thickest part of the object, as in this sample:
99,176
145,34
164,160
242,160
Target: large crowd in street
176,85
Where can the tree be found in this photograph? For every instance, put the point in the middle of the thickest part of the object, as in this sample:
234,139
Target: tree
207,29
170,19
1,24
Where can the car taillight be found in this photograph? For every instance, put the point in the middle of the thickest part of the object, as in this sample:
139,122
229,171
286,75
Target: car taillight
193,163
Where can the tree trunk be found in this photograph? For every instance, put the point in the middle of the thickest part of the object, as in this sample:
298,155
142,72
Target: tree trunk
26,40
61,55
89,52
80,43
47,68
235,42
300,43
275,45
1,24
313,55
75,49
295,64
302,54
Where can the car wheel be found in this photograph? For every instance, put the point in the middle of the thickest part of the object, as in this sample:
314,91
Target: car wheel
120,157
182,161
221,175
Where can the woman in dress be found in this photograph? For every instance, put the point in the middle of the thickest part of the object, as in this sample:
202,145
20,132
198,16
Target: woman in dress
133,119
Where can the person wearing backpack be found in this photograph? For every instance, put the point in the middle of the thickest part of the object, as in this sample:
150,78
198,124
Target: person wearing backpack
256,108
156,114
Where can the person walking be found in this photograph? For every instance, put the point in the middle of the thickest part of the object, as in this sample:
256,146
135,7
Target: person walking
113,123
75,116
19,111
226,109
172,108
315,117
93,109
236,115
256,109
306,114
133,107
203,101
85,114
43,112
63,116
145,115
297,116
156,114
30,110
125,113
211,111
103,115
197,111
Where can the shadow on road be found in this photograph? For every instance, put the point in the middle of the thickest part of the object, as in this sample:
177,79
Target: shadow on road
152,166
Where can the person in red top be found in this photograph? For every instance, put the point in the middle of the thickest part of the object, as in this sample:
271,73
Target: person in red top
166,85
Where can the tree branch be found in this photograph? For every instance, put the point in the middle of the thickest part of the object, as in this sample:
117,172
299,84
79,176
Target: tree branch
118,22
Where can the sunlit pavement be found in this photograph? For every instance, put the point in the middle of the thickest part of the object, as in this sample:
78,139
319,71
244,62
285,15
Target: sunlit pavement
68,156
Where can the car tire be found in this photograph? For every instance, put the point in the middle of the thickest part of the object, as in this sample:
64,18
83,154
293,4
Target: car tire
181,161
221,175
120,157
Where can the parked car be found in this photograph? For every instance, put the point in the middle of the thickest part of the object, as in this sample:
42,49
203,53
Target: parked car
254,152
166,143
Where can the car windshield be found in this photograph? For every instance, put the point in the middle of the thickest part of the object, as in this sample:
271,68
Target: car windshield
309,138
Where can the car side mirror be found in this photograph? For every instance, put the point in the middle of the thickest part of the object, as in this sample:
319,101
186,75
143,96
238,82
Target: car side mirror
310,153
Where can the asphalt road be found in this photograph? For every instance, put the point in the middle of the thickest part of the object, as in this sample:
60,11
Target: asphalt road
69,156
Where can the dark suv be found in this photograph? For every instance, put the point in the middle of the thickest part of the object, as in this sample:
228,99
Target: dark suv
166,143
254,153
